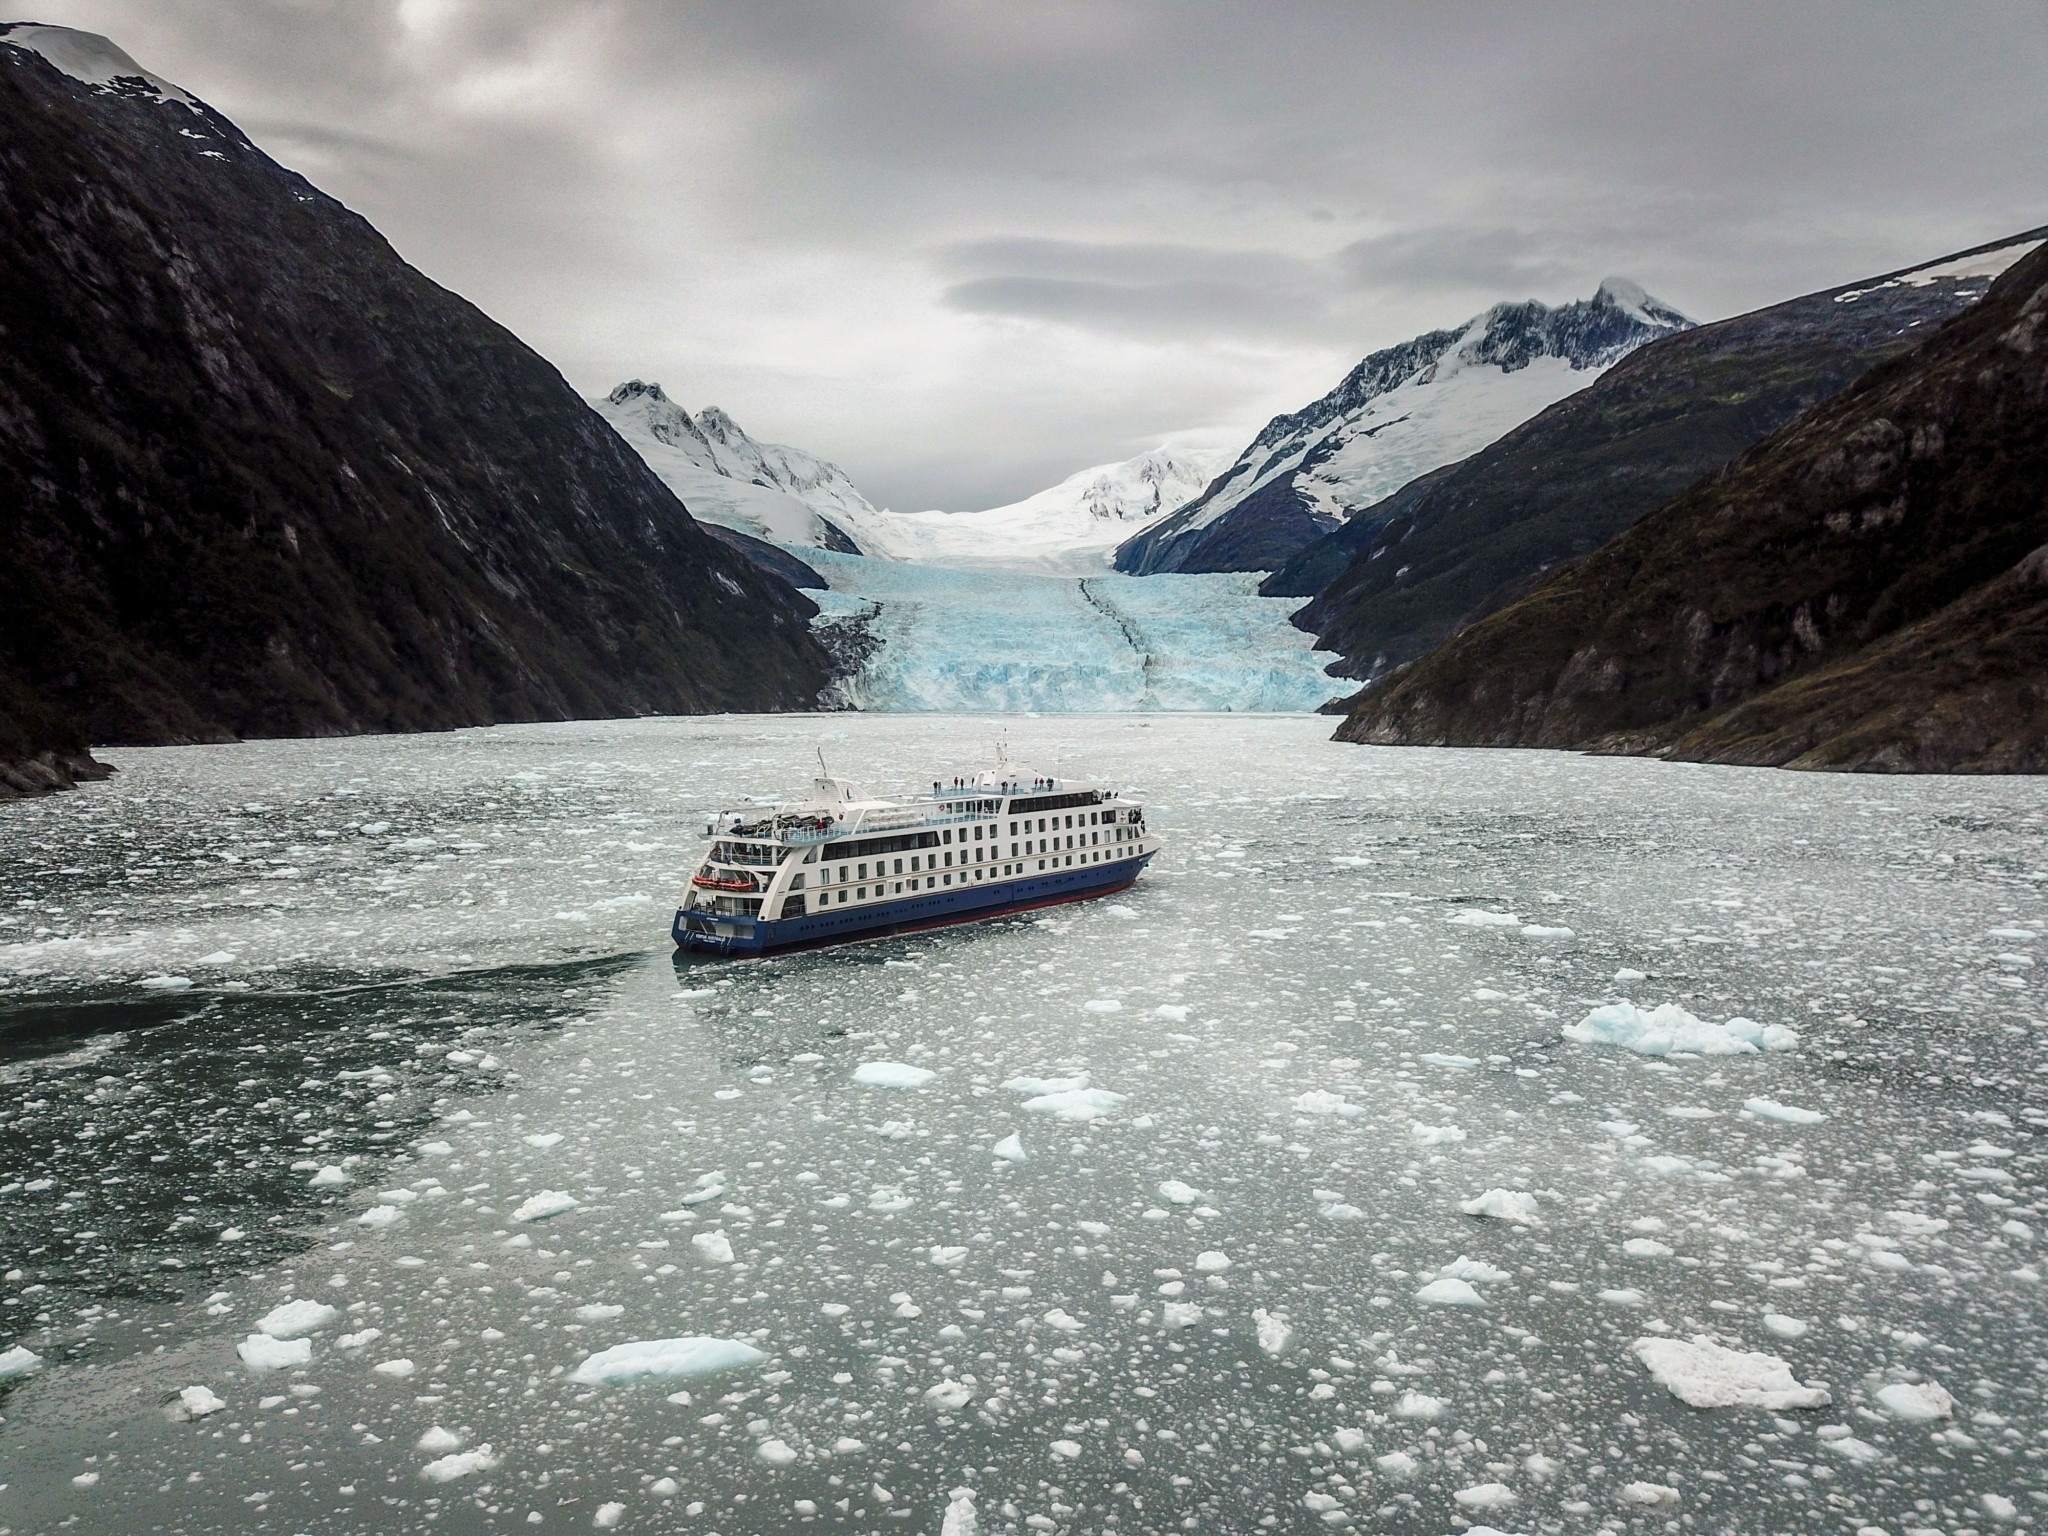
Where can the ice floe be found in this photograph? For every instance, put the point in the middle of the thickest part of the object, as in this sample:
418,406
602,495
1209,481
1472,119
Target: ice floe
1703,1374
892,1074
693,1355
1668,1030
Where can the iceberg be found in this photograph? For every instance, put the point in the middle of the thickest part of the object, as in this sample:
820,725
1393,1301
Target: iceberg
694,1355
1703,1374
1669,1030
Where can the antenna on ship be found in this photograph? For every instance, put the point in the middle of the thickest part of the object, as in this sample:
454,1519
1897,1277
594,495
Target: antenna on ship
823,771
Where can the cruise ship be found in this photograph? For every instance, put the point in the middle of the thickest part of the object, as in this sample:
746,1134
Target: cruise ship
842,866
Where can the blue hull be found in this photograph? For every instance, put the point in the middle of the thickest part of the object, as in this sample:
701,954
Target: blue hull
736,936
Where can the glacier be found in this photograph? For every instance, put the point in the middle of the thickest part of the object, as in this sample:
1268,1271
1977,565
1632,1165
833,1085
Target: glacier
967,639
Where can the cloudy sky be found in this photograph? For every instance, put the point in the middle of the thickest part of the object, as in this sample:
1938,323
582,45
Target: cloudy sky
967,248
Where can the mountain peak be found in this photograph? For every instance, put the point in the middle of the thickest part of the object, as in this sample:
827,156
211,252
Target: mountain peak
90,59
1632,299
634,389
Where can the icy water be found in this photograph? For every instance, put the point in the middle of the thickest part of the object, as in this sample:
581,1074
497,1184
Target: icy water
439,1112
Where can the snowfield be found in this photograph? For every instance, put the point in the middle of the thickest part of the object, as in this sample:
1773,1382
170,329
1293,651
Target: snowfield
1326,1224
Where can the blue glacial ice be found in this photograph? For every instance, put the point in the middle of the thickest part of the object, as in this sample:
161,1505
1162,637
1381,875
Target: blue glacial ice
970,640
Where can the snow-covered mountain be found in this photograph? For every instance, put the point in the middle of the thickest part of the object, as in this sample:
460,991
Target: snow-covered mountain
1402,412
1071,526
723,476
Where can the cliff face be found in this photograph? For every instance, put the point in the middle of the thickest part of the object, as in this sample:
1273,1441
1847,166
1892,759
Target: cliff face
260,477
1404,575
1868,588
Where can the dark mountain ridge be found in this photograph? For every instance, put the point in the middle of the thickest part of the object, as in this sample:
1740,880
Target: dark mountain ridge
1866,589
262,478
1403,575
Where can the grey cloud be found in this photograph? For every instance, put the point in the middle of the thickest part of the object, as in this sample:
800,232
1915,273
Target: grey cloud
1186,308
1500,261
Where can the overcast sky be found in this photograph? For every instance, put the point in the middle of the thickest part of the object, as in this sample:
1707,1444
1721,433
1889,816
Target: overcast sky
966,249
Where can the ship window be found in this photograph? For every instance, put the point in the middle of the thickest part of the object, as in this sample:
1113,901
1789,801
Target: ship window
842,896
914,863
863,872
899,867
977,834
949,858
862,893
796,883
946,836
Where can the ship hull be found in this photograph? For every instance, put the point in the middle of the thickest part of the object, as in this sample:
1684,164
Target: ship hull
738,937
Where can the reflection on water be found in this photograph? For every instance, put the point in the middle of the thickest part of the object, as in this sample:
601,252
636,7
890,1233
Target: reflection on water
1150,1214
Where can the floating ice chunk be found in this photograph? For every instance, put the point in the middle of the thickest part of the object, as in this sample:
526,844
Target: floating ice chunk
1059,1319
330,1177
1649,1495
1419,1405
295,1318
1485,1496
1646,1248
1176,1012
1180,1314
1441,1059
1515,1205
1211,1261
1702,1374
461,1464
1449,1293
1785,1327
1437,1135
198,1402
549,1202
948,1257
1998,1506
712,1247
1626,975
1915,1403
165,983
1076,1104
1065,1450
1474,917
1851,1449
1791,1114
609,1514
436,1148
598,1312
1276,1335
949,1394
1045,1085
695,1355
438,1440
19,1361
892,1074
1669,1029
1623,1297
1178,1193
218,957
1103,1005
1349,1440
1397,1464
960,1519
260,1352
544,1139
1011,1149
400,1368
889,1198
1320,1101
1462,1268
1118,909
777,1453
1539,931
2016,935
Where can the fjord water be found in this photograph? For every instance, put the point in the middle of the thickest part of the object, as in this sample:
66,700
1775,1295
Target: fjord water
336,1022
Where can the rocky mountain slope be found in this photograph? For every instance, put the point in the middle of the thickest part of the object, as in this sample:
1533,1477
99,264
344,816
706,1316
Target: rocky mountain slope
1866,589
1401,413
766,490
1403,575
260,477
